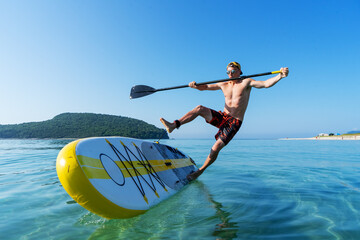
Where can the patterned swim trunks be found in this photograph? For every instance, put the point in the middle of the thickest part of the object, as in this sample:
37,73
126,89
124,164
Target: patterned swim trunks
228,125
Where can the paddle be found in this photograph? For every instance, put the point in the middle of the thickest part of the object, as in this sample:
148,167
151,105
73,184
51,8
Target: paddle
143,90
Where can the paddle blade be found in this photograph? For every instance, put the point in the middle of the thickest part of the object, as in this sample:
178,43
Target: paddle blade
141,91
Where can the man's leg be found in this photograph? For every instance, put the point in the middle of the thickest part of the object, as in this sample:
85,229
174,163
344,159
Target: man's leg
219,144
188,117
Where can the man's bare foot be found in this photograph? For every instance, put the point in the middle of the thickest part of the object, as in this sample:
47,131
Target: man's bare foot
169,126
194,175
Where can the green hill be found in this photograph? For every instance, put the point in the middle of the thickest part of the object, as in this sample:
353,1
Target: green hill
80,125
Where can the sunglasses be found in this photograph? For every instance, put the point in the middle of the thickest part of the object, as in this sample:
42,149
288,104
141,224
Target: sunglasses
232,71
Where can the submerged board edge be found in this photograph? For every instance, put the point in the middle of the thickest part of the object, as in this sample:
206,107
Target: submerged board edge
77,185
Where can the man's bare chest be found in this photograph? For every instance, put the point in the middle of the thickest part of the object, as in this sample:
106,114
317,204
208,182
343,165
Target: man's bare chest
237,90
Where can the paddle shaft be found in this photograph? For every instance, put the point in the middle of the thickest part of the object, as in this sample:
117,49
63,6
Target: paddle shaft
143,90
220,80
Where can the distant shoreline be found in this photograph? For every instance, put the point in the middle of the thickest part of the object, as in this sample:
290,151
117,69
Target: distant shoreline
341,137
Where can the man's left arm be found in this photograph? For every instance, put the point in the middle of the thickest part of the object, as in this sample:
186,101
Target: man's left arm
271,81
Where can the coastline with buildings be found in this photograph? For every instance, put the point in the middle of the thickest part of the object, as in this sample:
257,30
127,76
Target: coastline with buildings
331,136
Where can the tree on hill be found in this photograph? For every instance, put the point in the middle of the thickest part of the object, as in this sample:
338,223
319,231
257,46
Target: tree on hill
81,125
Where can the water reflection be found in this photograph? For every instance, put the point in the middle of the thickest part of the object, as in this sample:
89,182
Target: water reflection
189,213
226,229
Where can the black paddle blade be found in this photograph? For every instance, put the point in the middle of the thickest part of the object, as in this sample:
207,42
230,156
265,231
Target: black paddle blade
141,91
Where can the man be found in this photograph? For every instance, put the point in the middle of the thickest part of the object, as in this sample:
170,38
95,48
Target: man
237,94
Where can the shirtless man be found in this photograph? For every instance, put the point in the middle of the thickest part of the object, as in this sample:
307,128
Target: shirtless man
237,94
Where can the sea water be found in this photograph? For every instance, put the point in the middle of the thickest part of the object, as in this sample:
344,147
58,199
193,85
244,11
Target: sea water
256,189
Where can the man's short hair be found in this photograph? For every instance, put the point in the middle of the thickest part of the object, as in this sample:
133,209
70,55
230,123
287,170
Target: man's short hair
236,65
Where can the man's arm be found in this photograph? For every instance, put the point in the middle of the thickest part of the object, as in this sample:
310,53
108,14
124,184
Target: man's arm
270,82
205,86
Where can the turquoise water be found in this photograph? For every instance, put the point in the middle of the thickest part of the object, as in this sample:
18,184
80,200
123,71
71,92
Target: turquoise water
257,189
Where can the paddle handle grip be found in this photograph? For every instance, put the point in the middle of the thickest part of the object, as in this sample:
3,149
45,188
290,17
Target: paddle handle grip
220,80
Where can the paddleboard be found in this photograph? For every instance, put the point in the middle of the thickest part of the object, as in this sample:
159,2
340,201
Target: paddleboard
117,177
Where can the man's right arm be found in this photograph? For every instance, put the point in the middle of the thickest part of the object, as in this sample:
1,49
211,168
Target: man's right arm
205,86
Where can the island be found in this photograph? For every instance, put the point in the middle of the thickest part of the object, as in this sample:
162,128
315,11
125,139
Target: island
81,125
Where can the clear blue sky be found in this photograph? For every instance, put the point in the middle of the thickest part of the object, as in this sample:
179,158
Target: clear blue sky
84,56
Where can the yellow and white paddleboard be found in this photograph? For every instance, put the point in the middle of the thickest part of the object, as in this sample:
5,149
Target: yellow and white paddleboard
118,177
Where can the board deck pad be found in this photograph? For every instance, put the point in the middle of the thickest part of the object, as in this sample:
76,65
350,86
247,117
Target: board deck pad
117,177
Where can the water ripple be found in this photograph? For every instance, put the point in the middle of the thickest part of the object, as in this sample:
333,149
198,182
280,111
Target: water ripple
255,190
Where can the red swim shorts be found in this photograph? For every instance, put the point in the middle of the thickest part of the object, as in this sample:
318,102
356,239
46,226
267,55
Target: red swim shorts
228,125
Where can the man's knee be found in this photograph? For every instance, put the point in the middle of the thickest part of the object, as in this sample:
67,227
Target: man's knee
204,112
199,109
218,146
215,151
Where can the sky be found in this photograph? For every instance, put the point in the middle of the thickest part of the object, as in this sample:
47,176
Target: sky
84,56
